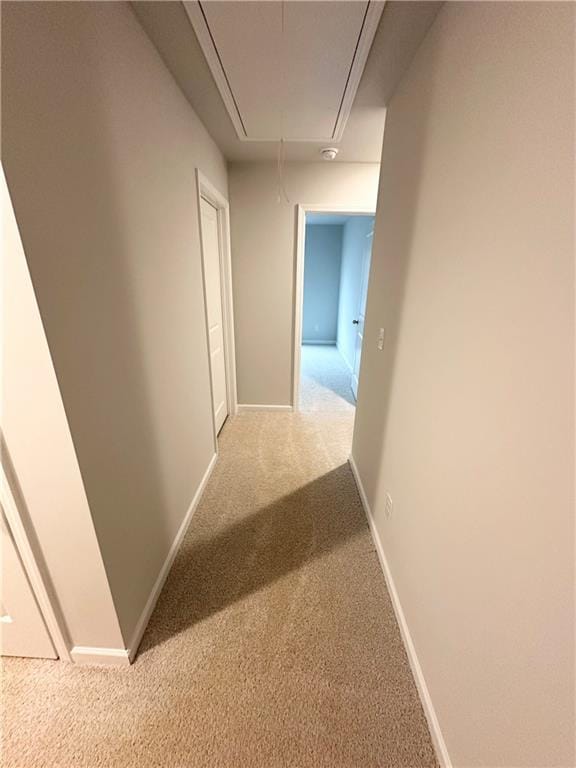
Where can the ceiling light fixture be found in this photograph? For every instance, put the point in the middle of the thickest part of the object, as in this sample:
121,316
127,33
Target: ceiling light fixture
329,153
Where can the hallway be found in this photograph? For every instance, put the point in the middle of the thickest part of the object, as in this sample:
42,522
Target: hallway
274,642
288,382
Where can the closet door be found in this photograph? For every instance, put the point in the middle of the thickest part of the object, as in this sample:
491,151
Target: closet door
361,315
212,282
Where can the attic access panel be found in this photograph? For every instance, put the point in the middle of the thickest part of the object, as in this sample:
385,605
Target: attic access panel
286,70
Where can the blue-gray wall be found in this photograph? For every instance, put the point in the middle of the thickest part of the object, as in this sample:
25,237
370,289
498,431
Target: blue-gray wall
322,258
354,239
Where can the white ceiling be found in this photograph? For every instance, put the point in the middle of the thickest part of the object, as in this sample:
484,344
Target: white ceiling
402,27
286,69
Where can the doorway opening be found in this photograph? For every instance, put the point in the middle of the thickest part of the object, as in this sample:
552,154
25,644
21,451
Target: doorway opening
333,264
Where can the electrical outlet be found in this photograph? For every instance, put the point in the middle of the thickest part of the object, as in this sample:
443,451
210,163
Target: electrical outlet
381,337
388,507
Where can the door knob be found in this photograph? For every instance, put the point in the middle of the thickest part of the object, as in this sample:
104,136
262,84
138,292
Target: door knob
355,322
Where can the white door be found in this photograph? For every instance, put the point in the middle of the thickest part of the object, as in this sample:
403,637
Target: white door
211,256
22,628
359,321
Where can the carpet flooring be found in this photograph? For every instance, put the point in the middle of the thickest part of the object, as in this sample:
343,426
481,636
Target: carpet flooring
273,644
325,380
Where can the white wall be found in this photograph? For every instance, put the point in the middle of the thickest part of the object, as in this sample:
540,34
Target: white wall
323,255
100,148
263,262
354,251
467,417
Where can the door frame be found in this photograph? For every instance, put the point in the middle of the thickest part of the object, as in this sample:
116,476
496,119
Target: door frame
301,211
53,622
205,189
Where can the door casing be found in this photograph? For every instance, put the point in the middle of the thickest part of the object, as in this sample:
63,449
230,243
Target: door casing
205,189
38,579
301,211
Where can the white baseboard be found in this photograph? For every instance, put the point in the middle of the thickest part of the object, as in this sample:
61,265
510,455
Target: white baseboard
251,407
108,657
164,571
326,342
428,706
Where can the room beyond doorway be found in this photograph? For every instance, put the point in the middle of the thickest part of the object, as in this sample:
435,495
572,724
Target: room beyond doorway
333,268
325,380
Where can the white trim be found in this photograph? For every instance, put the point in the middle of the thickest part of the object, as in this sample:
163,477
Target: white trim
364,43
251,407
164,571
301,211
108,657
365,40
204,36
425,698
205,189
298,303
54,624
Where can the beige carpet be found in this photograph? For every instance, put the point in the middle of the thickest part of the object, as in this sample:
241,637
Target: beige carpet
273,644
325,380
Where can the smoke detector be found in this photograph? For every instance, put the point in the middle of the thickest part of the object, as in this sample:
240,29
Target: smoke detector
329,153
